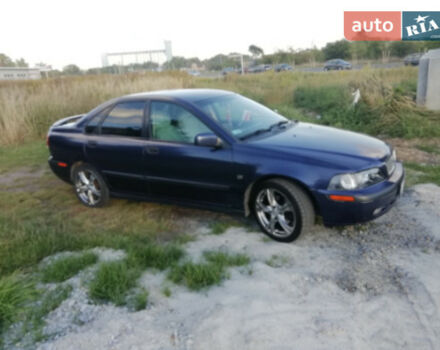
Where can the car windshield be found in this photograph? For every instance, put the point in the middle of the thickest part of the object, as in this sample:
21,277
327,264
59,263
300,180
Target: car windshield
241,116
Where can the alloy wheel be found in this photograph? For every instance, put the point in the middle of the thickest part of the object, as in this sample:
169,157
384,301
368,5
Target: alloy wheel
275,212
88,188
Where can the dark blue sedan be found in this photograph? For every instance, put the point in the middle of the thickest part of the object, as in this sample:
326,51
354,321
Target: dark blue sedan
219,150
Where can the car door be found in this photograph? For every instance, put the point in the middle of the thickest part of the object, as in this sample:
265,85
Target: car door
176,167
115,145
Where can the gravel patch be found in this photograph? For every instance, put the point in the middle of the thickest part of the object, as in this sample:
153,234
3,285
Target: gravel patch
371,286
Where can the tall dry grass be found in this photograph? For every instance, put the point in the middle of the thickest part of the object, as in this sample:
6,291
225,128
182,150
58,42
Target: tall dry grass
27,109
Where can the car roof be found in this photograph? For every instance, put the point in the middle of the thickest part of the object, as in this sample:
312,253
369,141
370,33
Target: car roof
190,95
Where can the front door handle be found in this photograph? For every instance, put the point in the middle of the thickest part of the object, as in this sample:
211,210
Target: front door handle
152,150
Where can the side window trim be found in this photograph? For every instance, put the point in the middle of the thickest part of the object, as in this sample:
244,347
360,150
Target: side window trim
146,121
101,115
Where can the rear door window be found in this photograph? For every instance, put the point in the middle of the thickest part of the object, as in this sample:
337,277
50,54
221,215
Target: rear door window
125,119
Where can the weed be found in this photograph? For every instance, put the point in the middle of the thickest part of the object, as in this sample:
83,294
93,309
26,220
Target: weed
166,291
64,268
277,261
429,173
224,259
197,276
219,227
155,256
140,300
112,282
429,148
33,319
15,292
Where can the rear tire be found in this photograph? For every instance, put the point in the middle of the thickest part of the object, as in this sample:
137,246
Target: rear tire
90,186
282,209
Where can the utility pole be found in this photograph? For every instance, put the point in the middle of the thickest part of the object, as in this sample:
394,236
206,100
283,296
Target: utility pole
241,60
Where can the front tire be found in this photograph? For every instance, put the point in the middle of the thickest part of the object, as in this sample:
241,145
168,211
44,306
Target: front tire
283,210
90,187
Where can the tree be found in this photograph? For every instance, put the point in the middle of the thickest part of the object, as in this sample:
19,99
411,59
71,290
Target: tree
6,61
21,63
337,49
256,51
71,69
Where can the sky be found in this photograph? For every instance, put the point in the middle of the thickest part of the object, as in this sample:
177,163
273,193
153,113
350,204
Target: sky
61,32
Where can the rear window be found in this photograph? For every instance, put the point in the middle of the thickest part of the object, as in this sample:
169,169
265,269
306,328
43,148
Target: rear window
125,119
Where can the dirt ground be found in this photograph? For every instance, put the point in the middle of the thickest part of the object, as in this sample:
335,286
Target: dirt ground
374,286
408,151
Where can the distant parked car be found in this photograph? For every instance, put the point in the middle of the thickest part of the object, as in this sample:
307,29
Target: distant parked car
216,149
337,64
282,67
413,59
257,69
194,73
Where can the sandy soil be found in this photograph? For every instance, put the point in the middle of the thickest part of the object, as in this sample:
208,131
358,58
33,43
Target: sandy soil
375,286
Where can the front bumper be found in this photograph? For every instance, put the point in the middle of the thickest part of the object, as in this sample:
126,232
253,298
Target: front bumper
369,203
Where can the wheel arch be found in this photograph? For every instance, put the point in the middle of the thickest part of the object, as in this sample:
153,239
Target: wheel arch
250,190
73,166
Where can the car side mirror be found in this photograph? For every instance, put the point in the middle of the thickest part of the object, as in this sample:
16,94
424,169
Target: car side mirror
208,139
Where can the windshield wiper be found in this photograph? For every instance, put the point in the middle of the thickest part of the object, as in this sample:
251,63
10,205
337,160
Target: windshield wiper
254,133
260,131
281,123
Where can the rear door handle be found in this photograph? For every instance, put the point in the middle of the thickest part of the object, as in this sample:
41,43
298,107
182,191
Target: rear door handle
92,144
152,150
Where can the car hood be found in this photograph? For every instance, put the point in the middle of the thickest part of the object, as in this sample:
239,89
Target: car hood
323,139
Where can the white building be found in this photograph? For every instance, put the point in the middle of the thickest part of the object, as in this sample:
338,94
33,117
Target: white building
19,73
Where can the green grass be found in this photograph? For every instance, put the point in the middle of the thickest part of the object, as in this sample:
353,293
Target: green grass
32,319
277,261
429,148
166,291
155,256
219,227
113,281
15,292
428,173
64,268
197,276
49,302
224,259
381,110
140,300
32,155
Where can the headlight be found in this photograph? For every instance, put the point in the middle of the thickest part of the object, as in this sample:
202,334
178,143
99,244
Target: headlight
356,181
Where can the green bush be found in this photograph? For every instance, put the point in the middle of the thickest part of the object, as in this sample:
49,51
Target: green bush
382,109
